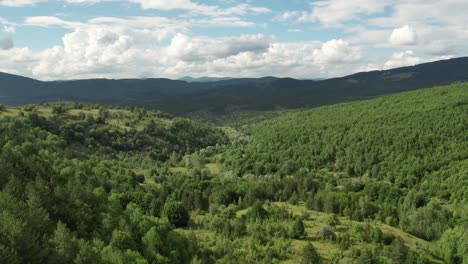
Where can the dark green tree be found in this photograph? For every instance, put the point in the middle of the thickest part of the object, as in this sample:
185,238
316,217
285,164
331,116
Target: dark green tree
345,241
310,255
399,251
177,214
453,245
63,245
257,211
333,220
59,109
298,229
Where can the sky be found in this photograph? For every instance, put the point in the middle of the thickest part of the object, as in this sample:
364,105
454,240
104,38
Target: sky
77,39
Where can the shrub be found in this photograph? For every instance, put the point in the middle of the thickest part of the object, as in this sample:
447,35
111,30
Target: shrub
298,229
310,255
177,214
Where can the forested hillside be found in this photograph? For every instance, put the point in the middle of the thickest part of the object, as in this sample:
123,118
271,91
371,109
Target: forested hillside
377,181
401,160
71,191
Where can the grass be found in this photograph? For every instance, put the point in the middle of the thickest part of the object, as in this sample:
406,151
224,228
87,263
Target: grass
44,111
214,168
15,111
201,234
76,112
10,112
120,124
178,169
325,249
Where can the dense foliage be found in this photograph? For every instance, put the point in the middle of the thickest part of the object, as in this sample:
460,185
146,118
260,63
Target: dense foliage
94,184
401,159
411,146
68,196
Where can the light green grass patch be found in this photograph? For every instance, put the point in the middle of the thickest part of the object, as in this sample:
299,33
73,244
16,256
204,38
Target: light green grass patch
214,168
178,169
11,112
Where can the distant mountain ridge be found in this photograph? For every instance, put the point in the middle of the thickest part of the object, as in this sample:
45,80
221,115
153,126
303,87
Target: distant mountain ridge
204,79
221,96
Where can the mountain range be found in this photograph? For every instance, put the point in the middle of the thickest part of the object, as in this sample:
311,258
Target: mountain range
213,95
204,79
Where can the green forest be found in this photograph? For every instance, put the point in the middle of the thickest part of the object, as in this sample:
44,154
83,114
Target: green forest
383,180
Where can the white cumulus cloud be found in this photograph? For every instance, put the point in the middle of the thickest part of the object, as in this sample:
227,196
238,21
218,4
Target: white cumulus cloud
46,21
402,59
403,36
157,43
19,3
17,60
106,49
88,52
336,12
210,10
193,49
167,4
335,51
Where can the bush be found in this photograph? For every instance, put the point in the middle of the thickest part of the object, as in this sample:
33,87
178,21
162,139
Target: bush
298,229
345,241
387,238
257,212
59,109
310,255
177,214
29,108
398,250
333,220
326,233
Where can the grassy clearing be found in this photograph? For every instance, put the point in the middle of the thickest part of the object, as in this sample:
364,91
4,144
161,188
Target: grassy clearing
10,112
214,168
117,117
178,169
313,223
44,111
77,112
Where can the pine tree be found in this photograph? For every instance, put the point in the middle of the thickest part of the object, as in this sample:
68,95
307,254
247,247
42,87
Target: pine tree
298,229
310,255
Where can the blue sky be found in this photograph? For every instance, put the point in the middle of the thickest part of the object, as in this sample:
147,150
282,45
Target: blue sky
71,39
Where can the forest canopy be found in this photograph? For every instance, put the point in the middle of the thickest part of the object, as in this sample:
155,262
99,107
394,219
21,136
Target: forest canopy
376,181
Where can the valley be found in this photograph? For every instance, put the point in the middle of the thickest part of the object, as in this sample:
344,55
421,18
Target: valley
233,132
375,181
